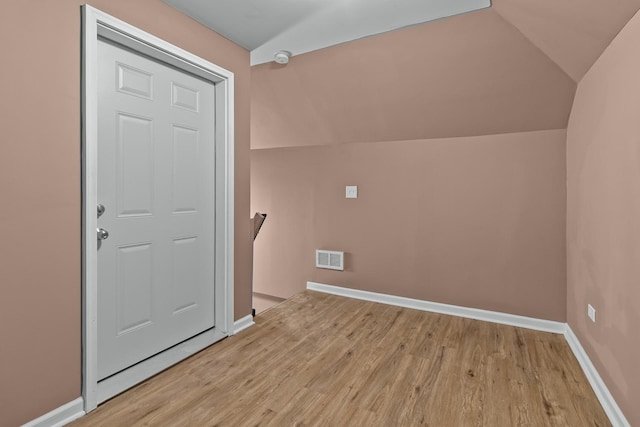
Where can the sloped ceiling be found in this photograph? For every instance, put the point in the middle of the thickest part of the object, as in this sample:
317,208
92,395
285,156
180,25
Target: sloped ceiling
473,74
509,68
573,33
513,67
302,26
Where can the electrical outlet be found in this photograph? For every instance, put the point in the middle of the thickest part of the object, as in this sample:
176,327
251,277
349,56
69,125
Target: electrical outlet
591,312
351,191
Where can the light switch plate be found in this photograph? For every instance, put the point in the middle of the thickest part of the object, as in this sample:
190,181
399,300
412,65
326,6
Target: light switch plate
591,312
351,191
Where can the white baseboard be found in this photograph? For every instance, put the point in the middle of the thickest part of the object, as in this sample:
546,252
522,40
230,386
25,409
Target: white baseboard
435,307
242,324
60,416
607,401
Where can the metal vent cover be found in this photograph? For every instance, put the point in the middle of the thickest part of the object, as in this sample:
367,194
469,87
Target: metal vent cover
333,260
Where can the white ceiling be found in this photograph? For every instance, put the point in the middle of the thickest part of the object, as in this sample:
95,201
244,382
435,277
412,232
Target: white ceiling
299,26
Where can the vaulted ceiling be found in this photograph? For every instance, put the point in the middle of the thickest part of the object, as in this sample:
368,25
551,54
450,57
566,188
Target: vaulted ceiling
511,67
302,26
573,33
473,74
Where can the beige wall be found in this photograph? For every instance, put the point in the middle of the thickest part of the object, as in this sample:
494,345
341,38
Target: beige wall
472,221
469,75
40,275
474,218
603,216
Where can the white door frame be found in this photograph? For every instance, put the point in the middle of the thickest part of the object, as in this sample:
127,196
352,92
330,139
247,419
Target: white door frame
98,25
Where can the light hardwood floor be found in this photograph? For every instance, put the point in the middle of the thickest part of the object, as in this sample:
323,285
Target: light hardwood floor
319,359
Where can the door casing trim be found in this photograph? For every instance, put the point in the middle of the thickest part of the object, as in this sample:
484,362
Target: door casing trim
96,25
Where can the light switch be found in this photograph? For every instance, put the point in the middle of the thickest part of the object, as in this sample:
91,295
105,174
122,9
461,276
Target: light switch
351,192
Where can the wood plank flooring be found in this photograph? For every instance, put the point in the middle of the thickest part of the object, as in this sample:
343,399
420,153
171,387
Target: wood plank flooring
324,360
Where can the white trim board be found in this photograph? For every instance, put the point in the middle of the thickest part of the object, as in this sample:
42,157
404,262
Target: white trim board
243,323
607,401
60,416
435,307
99,25
605,398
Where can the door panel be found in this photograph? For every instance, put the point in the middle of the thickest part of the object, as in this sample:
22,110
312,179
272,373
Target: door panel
185,297
134,82
135,164
184,97
185,183
135,284
156,179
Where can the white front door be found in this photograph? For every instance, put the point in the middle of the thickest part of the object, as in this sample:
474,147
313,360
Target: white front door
156,181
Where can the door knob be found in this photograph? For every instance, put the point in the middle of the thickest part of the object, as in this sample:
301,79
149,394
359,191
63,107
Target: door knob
103,234
101,209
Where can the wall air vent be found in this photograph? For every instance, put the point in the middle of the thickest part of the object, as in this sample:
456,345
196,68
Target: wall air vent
332,260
